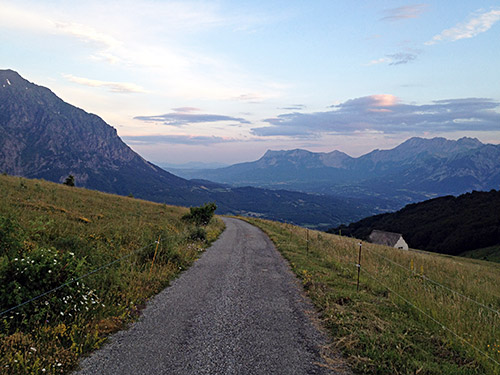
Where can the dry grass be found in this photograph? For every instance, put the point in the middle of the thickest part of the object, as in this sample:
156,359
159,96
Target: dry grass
97,228
375,328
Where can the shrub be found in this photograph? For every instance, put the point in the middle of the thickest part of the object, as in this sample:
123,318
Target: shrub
37,272
70,180
201,215
11,237
198,234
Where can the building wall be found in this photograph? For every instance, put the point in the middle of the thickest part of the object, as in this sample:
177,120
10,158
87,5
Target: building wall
401,244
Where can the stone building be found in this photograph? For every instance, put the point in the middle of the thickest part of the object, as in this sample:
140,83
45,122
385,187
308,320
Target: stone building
395,240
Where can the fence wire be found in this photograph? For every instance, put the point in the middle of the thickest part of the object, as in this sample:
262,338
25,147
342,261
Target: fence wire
433,319
75,280
437,283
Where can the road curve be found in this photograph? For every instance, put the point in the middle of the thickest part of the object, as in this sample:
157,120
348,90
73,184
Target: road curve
237,310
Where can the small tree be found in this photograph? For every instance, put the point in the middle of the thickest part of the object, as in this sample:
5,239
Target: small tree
201,215
70,180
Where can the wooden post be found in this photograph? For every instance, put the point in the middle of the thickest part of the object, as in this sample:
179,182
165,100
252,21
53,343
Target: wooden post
359,266
154,256
307,240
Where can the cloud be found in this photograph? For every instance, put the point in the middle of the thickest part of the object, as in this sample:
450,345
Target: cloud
477,24
395,59
251,98
183,118
148,38
295,107
404,12
186,109
87,34
382,60
118,87
389,115
198,140
401,58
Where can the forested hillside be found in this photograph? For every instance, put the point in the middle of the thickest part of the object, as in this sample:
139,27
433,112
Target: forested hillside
450,225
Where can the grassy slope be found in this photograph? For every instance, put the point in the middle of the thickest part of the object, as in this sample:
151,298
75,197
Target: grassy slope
491,254
97,228
376,330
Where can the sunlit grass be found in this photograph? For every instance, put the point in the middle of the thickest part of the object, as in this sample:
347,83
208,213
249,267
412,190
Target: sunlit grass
96,229
376,329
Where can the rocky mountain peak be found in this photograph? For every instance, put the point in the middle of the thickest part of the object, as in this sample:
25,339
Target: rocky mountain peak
41,135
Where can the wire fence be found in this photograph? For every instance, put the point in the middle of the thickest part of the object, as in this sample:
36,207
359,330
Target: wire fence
74,280
426,278
431,318
363,271
420,310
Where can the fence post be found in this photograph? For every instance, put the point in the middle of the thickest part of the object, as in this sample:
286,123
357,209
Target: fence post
154,256
359,266
307,240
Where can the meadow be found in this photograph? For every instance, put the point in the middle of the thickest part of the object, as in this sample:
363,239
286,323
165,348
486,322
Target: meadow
414,313
103,256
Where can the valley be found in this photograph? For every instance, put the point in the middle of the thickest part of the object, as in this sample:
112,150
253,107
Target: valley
416,170
41,136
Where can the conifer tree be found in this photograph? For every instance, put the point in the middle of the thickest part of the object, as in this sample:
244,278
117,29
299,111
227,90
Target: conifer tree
70,180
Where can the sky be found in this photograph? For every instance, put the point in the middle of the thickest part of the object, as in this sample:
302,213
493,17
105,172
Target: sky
224,81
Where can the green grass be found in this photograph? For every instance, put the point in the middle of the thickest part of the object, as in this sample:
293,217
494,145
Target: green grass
376,330
491,254
50,233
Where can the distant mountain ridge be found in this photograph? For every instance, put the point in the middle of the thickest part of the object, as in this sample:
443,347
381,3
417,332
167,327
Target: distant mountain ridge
41,136
415,170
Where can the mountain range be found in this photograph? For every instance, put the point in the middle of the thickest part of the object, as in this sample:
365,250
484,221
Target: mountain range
416,170
41,136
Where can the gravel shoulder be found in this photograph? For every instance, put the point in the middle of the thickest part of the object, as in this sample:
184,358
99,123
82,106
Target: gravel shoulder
237,310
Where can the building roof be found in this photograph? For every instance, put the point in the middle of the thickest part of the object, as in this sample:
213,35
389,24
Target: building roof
384,238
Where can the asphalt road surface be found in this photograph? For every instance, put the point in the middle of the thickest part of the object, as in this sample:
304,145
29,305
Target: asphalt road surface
237,310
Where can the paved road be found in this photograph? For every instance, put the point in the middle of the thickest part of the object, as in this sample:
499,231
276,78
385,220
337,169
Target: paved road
237,310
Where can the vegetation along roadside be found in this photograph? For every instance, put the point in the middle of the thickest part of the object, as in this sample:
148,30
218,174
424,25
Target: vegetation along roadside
51,235
414,313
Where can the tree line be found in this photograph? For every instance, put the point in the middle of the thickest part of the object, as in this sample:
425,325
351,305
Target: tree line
449,225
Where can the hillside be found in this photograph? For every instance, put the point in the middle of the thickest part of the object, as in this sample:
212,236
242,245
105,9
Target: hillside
414,312
449,225
41,136
50,234
416,170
